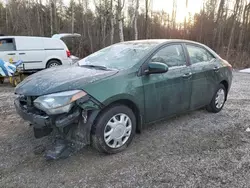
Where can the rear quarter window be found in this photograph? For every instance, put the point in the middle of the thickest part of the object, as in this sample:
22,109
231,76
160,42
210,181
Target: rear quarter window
198,54
7,45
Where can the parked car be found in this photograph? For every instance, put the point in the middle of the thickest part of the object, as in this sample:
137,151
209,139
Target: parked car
35,52
122,88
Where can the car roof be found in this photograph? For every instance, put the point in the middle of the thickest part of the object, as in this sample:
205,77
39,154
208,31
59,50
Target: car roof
3,37
160,41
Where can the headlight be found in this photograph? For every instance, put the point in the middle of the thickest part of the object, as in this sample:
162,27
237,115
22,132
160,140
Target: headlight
58,103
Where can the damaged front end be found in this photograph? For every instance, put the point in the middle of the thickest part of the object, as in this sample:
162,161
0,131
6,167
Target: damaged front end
69,115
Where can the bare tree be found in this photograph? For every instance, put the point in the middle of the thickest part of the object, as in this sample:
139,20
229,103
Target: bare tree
219,25
51,18
135,17
174,14
146,19
120,6
73,17
112,23
235,19
243,25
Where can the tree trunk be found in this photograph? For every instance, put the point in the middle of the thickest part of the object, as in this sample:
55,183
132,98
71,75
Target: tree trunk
51,19
55,16
83,19
135,19
112,32
6,20
235,16
174,14
146,21
120,19
218,23
90,39
73,18
242,30
112,29
185,19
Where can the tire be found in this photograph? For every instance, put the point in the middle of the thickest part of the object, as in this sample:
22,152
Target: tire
53,63
214,106
102,126
1,80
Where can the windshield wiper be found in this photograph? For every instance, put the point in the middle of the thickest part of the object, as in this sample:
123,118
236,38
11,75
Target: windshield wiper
96,66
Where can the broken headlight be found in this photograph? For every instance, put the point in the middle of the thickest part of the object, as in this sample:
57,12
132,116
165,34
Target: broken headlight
58,103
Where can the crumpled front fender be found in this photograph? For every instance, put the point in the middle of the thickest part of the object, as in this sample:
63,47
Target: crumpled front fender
90,108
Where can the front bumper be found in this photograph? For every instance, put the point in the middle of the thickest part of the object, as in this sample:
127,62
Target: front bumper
41,121
37,120
82,115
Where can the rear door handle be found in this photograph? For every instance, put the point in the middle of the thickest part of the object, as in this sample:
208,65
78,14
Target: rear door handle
21,53
11,54
187,75
216,69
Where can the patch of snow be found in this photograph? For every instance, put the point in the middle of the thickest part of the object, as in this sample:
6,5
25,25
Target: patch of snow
248,129
245,70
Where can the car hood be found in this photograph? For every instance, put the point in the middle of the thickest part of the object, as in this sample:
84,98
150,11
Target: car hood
59,79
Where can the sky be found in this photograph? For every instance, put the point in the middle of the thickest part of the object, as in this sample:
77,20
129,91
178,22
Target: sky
194,6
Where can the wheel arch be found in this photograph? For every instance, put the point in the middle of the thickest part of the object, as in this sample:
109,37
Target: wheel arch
225,84
51,59
128,103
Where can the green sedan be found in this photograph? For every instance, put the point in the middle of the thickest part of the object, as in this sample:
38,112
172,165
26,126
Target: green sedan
105,98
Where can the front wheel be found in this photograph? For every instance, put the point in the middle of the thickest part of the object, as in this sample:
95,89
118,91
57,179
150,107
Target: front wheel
218,100
114,129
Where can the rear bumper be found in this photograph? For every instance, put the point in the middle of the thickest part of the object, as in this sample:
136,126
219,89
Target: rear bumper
67,61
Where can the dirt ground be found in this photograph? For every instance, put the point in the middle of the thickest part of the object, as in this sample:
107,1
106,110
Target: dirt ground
198,149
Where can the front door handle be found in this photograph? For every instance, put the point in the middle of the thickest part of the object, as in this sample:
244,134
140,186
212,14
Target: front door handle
11,54
187,75
216,69
21,53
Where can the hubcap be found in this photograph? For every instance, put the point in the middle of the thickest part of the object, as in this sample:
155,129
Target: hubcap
53,65
220,98
118,130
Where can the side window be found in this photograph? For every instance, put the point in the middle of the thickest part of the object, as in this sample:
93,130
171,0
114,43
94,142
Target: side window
7,45
172,55
198,54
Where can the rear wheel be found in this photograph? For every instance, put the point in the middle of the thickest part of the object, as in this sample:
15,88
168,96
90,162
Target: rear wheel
218,100
114,129
1,80
53,63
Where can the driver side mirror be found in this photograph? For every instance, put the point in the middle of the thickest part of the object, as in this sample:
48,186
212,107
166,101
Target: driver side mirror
156,68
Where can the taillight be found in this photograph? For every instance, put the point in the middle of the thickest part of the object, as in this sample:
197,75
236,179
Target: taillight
68,53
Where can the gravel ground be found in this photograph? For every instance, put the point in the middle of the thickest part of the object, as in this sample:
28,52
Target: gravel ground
198,149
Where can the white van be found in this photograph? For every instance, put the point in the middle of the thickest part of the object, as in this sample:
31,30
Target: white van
35,52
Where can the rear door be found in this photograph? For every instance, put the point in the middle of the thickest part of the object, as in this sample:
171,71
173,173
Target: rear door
202,66
31,52
8,51
168,93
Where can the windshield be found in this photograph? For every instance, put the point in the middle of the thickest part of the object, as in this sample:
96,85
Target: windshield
119,56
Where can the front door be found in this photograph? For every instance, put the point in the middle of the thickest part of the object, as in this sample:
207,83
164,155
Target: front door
168,93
